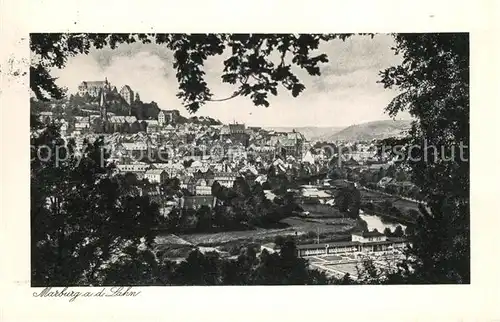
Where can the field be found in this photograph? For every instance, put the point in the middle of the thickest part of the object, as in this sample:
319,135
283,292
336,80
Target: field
322,211
297,226
228,236
332,258
330,265
170,239
332,225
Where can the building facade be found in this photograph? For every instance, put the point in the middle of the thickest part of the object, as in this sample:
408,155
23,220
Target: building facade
156,175
236,133
226,179
93,88
128,94
370,242
161,118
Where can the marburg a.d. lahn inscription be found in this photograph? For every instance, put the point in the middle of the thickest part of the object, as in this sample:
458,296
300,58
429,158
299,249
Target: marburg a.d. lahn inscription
73,295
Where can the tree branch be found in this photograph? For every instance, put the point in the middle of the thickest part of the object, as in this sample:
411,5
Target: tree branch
235,94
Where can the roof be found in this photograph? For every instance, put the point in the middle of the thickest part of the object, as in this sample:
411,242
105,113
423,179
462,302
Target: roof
135,146
226,174
384,181
134,167
155,171
270,245
208,182
126,87
287,142
382,242
122,119
397,239
249,168
93,83
295,136
196,164
323,245
368,234
350,243
236,128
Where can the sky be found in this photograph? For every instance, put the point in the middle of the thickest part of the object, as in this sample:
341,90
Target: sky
346,93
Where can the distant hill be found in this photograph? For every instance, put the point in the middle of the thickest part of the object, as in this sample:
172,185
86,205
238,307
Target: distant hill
311,133
371,130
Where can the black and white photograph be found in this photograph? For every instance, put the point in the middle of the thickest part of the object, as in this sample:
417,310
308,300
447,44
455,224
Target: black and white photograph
246,159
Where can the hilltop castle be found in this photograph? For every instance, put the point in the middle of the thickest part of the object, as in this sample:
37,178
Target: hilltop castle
94,88
107,123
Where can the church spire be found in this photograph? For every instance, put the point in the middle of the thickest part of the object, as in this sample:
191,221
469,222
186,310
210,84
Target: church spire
103,107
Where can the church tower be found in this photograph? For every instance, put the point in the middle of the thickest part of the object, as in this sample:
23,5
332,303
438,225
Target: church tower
103,106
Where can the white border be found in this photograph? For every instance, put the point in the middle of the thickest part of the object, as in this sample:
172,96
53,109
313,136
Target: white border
476,301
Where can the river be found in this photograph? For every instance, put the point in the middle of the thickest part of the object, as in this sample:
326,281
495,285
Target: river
375,222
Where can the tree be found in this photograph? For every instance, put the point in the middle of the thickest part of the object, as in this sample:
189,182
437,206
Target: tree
434,82
391,171
398,232
199,269
187,163
173,221
401,176
381,174
349,201
217,190
386,205
81,222
410,229
343,199
204,215
171,187
356,204
250,66
241,187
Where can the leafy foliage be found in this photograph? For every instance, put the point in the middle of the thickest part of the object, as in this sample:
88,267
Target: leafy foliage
86,231
81,221
282,268
434,80
348,200
249,67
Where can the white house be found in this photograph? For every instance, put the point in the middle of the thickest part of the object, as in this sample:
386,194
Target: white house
226,179
203,188
156,175
365,237
161,118
136,167
308,157
270,248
